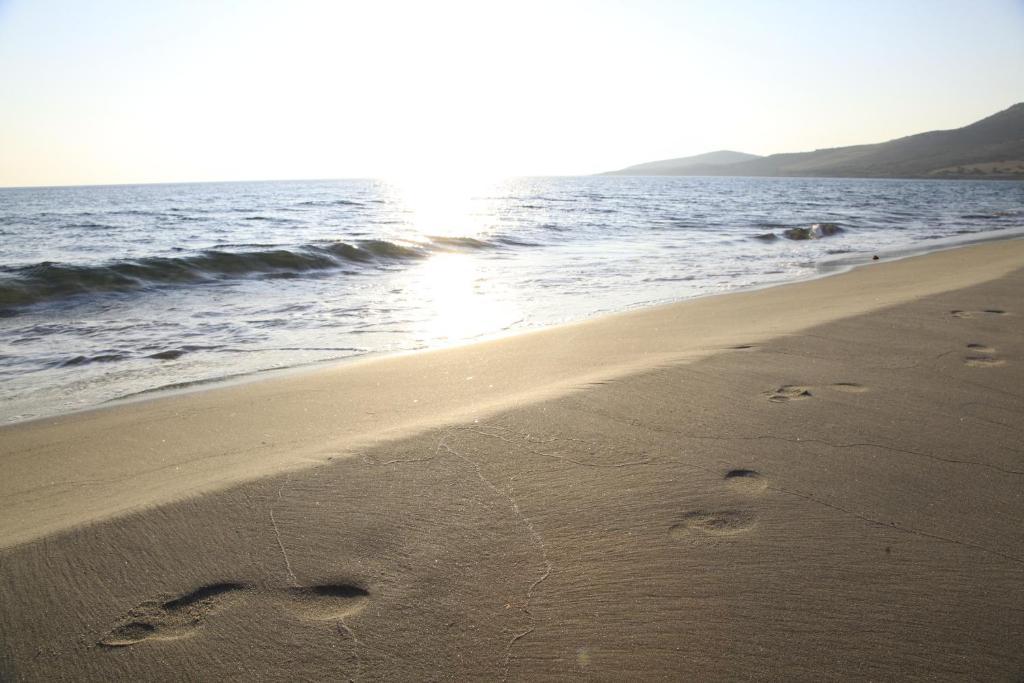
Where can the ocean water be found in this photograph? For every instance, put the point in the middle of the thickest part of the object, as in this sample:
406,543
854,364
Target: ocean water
107,292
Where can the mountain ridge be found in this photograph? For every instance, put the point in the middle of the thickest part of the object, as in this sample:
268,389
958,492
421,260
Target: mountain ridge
717,158
992,147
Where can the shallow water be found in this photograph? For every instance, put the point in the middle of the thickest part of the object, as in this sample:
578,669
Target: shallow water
111,291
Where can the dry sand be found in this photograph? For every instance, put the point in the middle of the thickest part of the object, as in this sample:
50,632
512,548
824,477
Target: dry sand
819,480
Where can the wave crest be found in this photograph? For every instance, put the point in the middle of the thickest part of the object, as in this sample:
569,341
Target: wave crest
47,281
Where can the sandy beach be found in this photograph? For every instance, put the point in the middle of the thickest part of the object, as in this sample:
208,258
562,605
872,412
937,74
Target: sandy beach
820,480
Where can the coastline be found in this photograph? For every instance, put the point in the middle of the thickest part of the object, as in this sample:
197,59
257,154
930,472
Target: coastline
776,480
835,265
216,436
203,311
320,287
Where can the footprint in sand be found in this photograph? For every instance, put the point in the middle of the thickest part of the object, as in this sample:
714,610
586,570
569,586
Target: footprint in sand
702,524
788,392
175,618
327,601
982,357
181,617
745,481
974,314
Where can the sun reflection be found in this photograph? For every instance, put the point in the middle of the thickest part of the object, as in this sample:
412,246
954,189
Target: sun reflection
458,309
447,205
454,283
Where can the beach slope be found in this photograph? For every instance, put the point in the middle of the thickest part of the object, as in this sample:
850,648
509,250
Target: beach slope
819,480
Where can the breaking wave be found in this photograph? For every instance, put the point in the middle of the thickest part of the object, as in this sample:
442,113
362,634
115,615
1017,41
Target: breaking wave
48,281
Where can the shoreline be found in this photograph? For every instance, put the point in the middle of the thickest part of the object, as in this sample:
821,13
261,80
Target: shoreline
816,480
644,243
839,264
379,397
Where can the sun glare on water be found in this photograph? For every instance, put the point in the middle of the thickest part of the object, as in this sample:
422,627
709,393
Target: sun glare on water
447,205
453,282
454,292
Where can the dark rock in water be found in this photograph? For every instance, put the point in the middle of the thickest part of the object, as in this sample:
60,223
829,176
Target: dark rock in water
168,355
816,231
825,229
766,237
875,257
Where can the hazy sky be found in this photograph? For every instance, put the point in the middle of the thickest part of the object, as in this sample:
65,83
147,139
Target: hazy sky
108,91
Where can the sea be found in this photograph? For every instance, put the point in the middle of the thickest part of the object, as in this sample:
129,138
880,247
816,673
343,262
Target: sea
110,292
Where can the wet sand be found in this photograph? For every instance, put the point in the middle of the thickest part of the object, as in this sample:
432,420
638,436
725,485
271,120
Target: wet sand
819,480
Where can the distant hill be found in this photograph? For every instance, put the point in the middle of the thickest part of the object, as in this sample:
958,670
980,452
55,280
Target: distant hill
990,148
682,165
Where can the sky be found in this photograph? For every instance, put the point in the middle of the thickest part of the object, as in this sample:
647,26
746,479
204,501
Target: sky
119,91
